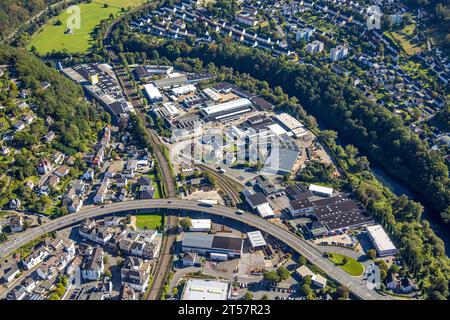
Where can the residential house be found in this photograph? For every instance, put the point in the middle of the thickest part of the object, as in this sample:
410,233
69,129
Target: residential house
62,171
37,256
76,204
16,223
136,273
8,270
19,125
44,166
89,174
93,266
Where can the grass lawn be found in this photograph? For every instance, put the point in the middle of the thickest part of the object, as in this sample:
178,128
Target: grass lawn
53,37
352,266
151,221
402,38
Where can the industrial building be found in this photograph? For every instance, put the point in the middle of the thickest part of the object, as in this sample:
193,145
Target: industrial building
179,91
217,247
100,82
381,241
200,225
257,201
201,289
321,191
256,239
227,110
152,93
340,212
336,213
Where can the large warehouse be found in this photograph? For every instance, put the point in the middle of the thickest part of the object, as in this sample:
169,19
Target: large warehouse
217,247
227,110
153,94
381,241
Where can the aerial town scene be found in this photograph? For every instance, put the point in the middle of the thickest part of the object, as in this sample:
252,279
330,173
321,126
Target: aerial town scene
224,150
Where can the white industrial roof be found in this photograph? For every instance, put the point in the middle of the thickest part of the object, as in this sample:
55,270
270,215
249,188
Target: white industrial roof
380,238
277,129
265,210
320,189
199,289
171,109
152,91
288,121
179,91
230,105
213,95
256,239
200,224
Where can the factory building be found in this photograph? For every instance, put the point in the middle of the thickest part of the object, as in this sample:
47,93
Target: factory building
227,110
381,241
214,246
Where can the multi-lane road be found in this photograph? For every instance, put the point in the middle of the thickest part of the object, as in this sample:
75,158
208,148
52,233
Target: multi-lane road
357,286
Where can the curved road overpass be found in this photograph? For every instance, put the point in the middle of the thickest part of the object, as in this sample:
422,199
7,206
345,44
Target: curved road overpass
356,286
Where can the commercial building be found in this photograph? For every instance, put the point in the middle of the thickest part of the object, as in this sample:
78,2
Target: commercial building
228,110
321,191
172,81
200,225
180,91
381,241
257,201
316,279
256,239
100,82
152,93
281,160
340,212
222,247
200,289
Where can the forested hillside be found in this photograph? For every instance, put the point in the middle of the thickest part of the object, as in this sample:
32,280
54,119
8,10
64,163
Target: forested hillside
14,12
75,120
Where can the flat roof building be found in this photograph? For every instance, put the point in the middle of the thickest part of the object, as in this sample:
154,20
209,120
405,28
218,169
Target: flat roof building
200,225
381,240
200,289
207,244
179,91
320,190
340,212
256,239
152,92
228,109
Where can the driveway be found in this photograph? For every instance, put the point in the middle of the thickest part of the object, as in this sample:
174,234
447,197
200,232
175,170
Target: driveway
181,273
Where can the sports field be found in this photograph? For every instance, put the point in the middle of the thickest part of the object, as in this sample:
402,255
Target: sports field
54,37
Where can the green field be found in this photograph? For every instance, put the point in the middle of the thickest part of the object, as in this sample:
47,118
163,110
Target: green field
403,38
52,37
149,221
352,266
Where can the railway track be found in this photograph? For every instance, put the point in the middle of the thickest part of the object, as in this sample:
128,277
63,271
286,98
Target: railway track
165,256
229,187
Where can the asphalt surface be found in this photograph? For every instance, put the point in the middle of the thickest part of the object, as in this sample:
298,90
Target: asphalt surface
356,286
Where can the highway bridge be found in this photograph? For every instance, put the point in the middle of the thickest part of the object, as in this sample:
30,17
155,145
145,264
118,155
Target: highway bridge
310,252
